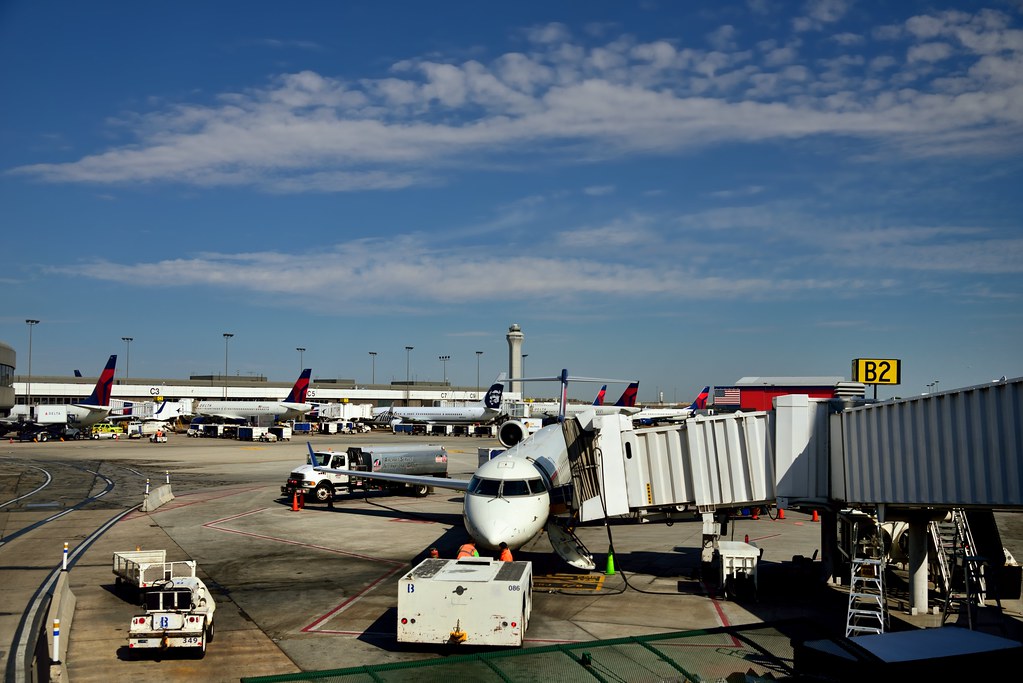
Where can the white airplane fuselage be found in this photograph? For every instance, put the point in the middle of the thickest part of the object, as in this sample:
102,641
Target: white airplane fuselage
244,410
437,414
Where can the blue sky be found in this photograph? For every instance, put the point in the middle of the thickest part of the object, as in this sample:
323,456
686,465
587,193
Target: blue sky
681,193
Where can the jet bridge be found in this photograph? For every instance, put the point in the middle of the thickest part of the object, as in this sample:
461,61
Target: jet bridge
656,472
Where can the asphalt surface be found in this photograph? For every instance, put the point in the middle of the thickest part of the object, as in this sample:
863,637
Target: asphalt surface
316,588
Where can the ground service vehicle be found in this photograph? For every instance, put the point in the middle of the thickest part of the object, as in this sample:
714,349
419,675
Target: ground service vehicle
423,460
179,613
475,601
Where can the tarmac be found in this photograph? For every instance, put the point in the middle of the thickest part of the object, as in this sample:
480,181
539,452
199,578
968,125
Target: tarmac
315,588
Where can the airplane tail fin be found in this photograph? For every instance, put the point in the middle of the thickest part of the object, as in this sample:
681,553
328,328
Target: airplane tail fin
700,402
301,388
599,401
100,395
628,397
494,395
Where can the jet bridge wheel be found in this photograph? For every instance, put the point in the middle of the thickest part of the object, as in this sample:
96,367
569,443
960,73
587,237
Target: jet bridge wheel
323,493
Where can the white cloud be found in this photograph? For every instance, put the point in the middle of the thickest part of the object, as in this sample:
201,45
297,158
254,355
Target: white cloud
572,104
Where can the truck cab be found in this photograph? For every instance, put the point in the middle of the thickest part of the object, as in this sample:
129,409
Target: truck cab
320,485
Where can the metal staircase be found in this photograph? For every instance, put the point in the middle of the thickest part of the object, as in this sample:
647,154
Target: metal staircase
953,542
868,606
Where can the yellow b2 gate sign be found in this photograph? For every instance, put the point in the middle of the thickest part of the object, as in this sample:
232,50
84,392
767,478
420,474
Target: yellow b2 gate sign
877,370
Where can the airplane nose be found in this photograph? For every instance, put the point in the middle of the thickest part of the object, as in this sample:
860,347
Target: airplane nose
492,521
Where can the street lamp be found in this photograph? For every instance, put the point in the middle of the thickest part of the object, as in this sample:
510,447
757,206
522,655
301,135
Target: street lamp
408,367
28,399
930,387
444,363
524,372
478,354
127,356
227,337
373,377
301,352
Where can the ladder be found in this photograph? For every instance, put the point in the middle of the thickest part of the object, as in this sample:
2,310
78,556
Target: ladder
868,607
953,542
967,590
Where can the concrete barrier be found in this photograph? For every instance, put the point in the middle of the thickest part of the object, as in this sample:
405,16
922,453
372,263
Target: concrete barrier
62,607
157,497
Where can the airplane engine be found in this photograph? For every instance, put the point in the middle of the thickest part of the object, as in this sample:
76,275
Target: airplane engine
511,433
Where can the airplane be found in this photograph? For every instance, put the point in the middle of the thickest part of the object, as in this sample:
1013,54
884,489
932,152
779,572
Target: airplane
649,416
291,408
51,418
515,495
487,411
511,497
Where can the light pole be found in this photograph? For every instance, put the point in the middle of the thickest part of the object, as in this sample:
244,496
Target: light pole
127,356
28,391
524,372
930,387
444,363
227,338
478,354
373,377
408,367
301,352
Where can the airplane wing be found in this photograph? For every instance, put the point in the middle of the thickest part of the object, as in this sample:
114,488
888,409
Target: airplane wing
440,482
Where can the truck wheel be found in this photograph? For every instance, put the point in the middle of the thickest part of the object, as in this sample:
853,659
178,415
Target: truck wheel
43,437
205,637
324,492
421,491
209,632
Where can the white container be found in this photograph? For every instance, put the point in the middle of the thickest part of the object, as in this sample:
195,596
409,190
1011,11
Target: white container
473,602
738,562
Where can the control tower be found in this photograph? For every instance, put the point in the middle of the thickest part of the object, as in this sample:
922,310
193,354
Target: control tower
515,338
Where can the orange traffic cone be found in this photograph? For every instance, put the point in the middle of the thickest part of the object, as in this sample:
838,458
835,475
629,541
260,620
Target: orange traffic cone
781,513
294,502
816,517
746,539
756,513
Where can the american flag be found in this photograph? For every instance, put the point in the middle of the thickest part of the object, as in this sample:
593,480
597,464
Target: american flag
726,396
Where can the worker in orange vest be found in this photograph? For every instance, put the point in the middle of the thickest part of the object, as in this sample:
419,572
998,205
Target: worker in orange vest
467,550
506,555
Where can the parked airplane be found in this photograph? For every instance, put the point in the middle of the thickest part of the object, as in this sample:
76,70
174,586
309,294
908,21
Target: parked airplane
486,411
53,419
649,416
512,497
291,408
599,400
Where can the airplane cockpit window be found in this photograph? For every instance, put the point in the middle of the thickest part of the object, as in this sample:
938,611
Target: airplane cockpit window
484,487
536,486
515,487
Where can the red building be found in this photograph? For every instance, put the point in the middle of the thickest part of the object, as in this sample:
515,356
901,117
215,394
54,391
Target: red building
757,393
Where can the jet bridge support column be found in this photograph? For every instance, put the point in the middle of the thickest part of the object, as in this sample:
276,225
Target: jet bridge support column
918,543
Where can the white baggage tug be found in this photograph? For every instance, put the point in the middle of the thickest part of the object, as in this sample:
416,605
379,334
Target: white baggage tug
474,601
179,613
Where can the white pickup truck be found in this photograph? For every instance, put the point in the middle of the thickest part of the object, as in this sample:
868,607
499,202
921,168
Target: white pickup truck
179,613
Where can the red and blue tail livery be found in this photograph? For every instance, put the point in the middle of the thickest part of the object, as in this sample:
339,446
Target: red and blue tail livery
100,395
301,388
628,397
